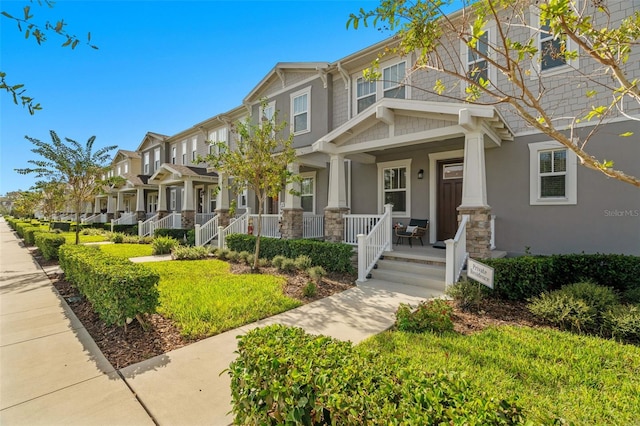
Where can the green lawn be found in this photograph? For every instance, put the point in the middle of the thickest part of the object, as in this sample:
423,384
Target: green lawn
204,298
581,379
127,250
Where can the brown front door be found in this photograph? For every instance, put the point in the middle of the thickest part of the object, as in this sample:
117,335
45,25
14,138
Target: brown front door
449,197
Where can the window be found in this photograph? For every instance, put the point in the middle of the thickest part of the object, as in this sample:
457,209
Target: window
553,174
174,154
217,136
184,153
551,57
392,78
268,111
477,66
212,200
308,192
194,149
126,168
119,171
365,93
146,163
152,203
394,184
300,116
242,199
156,159
173,200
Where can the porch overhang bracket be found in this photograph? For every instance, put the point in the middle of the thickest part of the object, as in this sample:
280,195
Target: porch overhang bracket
323,76
386,115
344,75
280,75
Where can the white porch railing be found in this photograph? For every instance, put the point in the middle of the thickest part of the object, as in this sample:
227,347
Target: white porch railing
207,231
202,218
313,226
147,227
456,253
238,226
92,219
150,215
355,224
270,225
171,221
376,242
125,219
492,240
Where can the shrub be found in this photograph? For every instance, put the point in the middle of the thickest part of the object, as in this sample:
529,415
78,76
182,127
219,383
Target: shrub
288,265
233,256
164,245
284,376
262,262
622,322
310,290
49,244
467,295
277,261
117,238
62,226
178,234
92,231
243,256
126,229
334,257
432,315
117,288
223,254
190,253
29,233
632,296
598,298
316,273
303,262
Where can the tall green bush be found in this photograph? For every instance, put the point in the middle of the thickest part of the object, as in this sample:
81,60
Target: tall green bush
117,288
49,244
29,233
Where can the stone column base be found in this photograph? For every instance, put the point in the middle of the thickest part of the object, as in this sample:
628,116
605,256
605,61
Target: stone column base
141,215
119,214
334,224
224,218
478,231
188,219
110,217
162,213
291,226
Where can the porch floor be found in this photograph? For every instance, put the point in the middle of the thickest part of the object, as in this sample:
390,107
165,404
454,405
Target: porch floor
427,253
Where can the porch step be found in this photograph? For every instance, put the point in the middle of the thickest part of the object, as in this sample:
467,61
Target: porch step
427,276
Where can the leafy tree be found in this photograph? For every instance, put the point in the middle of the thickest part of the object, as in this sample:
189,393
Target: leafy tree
37,32
582,29
258,162
26,203
53,197
69,163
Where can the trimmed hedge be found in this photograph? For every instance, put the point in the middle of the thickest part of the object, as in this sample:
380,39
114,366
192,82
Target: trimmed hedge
49,244
21,226
117,288
125,229
284,376
334,257
178,234
520,278
29,233
63,226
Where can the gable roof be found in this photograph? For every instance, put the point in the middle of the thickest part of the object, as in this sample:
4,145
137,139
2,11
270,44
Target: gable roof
278,72
151,138
126,154
181,172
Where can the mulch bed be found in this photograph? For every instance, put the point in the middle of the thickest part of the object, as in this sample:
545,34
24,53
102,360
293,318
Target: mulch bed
124,346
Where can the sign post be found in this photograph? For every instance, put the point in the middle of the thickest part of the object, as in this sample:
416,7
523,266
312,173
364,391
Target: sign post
480,272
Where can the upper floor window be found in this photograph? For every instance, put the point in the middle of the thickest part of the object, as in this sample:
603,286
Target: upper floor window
146,163
194,149
391,85
119,171
126,168
184,152
553,170
300,116
552,49
216,137
156,159
174,154
267,112
477,65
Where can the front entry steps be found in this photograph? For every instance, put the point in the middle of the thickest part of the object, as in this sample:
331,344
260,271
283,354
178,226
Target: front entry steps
424,276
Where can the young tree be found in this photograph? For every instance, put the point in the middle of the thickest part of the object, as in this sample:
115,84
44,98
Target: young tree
26,203
76,167
53,197
573,29
258,162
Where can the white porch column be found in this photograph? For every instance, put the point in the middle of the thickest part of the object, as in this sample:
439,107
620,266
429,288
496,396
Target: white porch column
474,183
292,201
337,183
120,206
187,200
162,198
96,207
111,204
140,200
222,197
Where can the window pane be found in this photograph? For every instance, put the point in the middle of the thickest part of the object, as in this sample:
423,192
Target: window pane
388,176
365,87
551,54
398,199
402,178
300,104
560,161
478,70
307,203
306,186
545,162
397,93
300,122
365,103
552,186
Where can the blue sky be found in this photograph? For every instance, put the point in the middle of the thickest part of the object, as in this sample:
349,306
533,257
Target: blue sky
162,66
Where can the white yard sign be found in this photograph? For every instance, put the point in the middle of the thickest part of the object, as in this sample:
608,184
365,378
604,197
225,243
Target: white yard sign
480,272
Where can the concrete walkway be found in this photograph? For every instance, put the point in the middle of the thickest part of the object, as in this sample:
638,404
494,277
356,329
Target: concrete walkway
52,372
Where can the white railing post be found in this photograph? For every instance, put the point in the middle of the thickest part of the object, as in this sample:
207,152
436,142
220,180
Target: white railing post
362,258
388,226
198,236
111,225
220,237
450,262
493,232
140,229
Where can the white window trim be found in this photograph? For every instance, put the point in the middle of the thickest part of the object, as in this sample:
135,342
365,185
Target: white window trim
194,149
126,168
389,165
152,203
380,84
174,154
305,91
312,176
271,104
571,183
184,153
243,194
536,32
173,200
464,52
156,159
146,162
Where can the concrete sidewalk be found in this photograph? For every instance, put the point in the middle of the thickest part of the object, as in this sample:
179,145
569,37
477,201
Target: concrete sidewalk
53,373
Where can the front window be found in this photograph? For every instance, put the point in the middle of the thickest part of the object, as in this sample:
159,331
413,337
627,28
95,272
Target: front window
126,168
173,200
394,184
392,78
152,203
242,199
365,93
307,192
553,174
300,111
212,200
